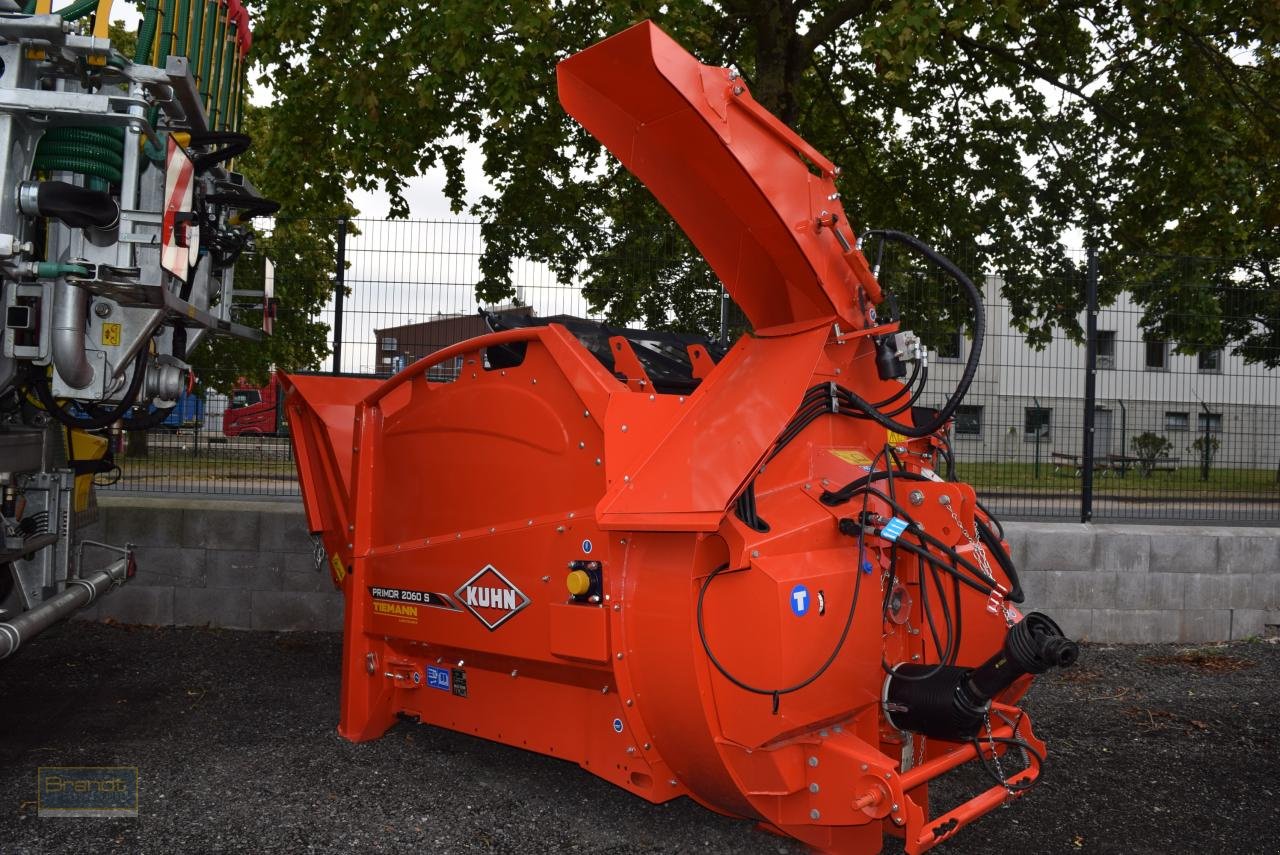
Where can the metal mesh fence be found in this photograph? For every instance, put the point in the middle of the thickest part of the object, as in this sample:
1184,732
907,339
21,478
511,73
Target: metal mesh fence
1185,419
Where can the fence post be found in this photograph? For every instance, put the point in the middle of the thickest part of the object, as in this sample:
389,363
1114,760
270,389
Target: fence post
339,294
724,315
1090,384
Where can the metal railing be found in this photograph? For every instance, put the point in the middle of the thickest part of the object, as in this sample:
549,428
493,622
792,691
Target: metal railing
1101,422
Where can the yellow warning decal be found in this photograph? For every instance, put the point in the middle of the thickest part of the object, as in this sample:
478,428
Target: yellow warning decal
857,458
110,335
895,438
339,572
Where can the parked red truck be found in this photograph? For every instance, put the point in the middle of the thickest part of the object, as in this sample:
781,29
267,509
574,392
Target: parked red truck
256,411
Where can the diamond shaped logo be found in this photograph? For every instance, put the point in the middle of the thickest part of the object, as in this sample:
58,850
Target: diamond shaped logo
491,597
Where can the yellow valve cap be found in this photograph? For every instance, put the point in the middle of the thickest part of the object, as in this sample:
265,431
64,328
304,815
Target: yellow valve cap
578,583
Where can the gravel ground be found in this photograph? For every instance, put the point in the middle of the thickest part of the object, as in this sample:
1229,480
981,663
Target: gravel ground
1158,749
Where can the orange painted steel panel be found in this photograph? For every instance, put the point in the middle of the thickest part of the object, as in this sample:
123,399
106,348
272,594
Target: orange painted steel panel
736,179
733,643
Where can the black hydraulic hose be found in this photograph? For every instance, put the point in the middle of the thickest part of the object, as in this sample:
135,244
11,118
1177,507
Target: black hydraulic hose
993,547
146,421
915,396
975,352
44,394
253,206
233,145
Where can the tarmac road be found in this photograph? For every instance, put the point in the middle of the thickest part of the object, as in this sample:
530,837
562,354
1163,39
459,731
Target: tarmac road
1153,750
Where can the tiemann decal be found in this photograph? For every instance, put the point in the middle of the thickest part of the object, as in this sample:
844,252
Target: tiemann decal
491,597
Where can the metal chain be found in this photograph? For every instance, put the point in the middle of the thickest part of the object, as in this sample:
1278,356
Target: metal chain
995,756
998,595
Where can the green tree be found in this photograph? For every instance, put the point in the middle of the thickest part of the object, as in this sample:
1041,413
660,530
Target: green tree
987,128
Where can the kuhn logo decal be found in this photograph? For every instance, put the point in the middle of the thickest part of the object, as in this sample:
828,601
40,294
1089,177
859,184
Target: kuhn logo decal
491,597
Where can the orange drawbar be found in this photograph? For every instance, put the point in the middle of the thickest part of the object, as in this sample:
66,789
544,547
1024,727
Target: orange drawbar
735,576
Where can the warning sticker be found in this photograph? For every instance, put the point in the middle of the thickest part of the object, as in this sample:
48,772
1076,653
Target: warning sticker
111,335
439,678
339,571
848,455
459,682
895,438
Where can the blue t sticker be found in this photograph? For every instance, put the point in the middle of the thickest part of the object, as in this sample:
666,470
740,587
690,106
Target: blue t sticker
893,529
586,547
617,725
439,678
799,600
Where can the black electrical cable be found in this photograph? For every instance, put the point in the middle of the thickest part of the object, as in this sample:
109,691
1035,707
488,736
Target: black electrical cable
975,351
41,386
774,693
777,693
991,518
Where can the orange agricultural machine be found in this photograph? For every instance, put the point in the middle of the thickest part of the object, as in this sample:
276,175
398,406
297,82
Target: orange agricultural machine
728,575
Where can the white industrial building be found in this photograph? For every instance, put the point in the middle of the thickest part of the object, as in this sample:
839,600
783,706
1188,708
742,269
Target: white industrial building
1142,385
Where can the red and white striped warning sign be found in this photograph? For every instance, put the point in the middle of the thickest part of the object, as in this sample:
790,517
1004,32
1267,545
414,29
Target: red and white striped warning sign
179,234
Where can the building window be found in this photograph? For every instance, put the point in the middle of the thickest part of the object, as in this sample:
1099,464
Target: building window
1177,421
388,343
1209,422
968,420
1157,350
1036,422
445,372
951,346
1106,348
1210,361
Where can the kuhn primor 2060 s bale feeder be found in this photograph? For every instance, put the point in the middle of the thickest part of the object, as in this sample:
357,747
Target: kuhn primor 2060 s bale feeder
732,576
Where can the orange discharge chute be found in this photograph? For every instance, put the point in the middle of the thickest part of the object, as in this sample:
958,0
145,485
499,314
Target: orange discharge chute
731,574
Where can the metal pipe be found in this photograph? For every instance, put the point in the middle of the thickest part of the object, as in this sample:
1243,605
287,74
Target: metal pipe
78,594
70,317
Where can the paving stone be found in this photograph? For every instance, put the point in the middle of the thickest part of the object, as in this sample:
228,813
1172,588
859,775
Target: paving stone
1205,625
1071,589
1076,624
294,610
285,531
1122,551
1150,590
169,565
1068,548
142,526
232,529
1136,626
254,571
1248,554
228,608
138,604
1184,553
300,574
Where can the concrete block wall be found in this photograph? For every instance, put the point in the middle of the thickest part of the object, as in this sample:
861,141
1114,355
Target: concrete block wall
1136,583
232,564
250,565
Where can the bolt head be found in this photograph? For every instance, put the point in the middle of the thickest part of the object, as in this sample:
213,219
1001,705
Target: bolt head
815,814
813,761
813,788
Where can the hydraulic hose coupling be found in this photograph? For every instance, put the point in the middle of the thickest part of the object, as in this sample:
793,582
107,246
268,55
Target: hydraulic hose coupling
951,702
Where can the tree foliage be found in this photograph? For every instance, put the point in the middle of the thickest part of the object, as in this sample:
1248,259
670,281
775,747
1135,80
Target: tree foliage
1150,128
